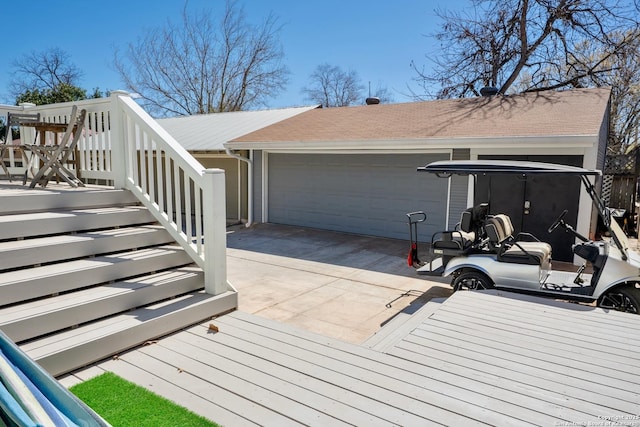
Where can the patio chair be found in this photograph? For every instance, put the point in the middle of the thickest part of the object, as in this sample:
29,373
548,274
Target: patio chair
55,157
13,119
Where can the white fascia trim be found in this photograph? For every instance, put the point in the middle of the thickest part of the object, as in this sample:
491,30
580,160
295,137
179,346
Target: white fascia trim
209,155
424,150
422,143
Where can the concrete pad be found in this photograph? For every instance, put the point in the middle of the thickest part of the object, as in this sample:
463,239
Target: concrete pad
335,284
329,329
304,303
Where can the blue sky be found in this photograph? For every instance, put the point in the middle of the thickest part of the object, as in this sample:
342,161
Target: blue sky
376,38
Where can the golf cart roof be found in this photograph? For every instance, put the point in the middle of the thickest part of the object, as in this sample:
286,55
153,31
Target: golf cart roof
486,167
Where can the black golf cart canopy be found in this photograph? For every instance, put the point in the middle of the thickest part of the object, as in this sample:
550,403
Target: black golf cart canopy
492,167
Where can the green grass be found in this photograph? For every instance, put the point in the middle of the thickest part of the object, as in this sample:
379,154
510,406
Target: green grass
122,403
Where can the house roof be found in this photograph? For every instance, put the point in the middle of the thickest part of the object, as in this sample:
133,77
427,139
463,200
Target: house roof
572,113
208,132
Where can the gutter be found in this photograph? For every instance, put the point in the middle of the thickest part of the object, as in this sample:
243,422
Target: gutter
249,162
395,144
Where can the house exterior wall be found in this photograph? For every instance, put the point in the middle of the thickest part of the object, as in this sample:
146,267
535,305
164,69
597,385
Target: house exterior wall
459,194
235,181
519,126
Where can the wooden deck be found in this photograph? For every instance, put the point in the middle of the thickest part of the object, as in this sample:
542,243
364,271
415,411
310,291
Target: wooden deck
30,199
493,359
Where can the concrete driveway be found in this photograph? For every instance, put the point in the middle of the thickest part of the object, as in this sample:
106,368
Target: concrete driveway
332,283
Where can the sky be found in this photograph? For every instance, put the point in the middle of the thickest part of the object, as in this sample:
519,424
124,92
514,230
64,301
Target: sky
376,38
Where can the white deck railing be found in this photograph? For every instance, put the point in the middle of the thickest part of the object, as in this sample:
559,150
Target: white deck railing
124,146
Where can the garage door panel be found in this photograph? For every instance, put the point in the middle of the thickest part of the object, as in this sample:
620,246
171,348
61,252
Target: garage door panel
364,194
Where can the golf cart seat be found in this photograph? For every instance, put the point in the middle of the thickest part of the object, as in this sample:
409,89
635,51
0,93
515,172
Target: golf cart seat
511,248
467,232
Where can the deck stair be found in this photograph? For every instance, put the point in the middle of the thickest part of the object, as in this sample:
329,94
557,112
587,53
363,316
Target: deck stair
87,274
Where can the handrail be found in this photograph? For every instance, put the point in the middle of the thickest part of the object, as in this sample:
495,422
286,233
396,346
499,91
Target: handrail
185,198
123,145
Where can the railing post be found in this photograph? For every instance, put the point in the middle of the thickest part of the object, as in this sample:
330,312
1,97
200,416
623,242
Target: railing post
215,231
27,134
118,140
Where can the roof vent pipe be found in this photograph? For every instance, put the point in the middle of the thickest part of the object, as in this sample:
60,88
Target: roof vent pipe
489,91
372,100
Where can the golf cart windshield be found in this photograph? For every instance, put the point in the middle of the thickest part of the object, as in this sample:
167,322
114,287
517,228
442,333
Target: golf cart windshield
448,168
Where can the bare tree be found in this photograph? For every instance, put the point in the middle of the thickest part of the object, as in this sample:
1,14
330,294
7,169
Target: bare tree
529,44
204,66
43,71
624,81
331,86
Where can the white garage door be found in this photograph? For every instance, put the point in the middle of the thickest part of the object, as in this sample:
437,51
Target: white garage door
365,194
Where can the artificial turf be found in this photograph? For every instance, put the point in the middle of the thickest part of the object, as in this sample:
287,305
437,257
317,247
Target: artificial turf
122,403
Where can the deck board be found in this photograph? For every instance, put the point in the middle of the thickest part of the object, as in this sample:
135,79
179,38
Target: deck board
446,352
308,391
268,391
201,397
448,390
550,309
454,337
362,370
592,321
517,346
530,388
373,396
599,352
528,357
478,359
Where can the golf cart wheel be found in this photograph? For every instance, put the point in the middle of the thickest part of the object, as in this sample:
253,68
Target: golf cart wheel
623,298
471,280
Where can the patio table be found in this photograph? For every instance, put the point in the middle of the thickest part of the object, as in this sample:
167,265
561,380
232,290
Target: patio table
43,127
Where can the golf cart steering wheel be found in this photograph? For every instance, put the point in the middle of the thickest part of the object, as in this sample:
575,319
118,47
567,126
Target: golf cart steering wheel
557,222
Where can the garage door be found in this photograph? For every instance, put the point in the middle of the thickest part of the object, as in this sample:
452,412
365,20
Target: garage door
365,194
534,203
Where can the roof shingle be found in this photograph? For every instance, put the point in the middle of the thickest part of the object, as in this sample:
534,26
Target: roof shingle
565,113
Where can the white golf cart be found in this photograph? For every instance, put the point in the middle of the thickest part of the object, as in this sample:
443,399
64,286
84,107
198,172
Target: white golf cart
482,251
